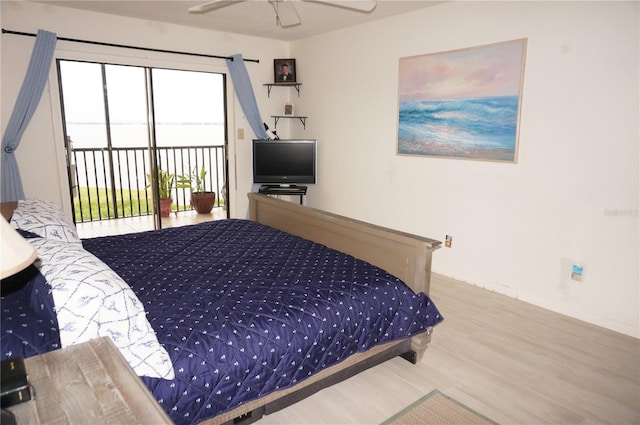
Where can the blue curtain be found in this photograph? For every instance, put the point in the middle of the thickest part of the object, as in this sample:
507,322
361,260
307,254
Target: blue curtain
26,104
244,91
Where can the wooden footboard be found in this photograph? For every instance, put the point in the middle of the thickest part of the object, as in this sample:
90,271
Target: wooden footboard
404,255
277,400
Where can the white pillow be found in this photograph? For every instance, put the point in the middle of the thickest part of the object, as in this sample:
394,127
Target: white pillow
44,218
92,301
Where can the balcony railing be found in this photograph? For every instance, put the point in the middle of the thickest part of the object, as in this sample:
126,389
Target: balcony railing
112,183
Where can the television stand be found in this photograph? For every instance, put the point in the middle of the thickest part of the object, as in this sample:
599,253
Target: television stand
268,189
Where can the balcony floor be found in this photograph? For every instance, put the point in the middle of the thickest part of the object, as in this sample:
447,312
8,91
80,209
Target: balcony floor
138,224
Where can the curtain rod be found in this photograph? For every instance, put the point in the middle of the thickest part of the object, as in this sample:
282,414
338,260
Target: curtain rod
75,40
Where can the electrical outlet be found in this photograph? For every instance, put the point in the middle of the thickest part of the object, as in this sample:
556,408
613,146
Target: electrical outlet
448,240
240,133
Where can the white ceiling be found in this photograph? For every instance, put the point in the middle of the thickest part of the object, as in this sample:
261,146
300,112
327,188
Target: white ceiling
250,17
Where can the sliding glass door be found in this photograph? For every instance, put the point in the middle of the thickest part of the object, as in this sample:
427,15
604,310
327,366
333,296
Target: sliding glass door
126,124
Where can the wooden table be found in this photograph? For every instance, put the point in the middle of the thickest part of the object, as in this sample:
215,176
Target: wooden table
89,383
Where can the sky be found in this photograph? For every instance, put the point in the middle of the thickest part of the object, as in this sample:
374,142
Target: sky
179,96
188,106
484,71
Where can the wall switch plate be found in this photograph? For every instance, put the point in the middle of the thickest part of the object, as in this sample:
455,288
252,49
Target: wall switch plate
240,133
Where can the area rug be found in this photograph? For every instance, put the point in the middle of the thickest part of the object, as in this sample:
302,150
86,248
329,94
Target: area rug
437,408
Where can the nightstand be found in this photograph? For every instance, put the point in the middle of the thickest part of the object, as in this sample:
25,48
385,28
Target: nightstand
88,383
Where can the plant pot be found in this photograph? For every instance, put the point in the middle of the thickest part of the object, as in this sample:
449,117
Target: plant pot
165,207
203,202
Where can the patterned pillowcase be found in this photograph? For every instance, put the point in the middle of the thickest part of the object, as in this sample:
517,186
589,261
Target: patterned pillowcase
92,301
44,218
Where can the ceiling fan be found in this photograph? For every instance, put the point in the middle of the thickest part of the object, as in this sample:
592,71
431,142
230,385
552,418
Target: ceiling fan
286,13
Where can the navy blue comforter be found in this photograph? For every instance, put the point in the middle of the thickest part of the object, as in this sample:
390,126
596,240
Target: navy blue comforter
29,324
244,309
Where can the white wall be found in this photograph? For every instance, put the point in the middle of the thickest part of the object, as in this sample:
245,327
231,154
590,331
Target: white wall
517,228
572,196
41,154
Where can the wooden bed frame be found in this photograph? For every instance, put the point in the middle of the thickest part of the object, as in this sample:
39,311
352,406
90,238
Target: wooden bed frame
404,255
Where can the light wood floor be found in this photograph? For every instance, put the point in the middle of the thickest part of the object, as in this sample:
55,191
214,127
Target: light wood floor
140,224
508,360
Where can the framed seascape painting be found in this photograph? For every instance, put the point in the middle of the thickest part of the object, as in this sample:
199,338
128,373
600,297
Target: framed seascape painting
463,103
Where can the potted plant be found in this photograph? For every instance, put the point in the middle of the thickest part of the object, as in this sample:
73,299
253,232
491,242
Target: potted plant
166,182
201,200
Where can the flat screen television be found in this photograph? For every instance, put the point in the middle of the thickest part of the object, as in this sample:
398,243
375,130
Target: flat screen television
284,162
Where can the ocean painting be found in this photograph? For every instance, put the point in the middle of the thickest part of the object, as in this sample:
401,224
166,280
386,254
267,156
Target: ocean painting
463,103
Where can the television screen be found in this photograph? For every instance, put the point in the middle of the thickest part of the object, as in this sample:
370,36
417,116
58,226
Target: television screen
284,162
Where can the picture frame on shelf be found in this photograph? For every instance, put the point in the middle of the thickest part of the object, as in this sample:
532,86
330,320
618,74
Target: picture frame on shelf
284,70
288,109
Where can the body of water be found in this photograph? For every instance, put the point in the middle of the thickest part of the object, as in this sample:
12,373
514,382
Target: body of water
481,128
129,135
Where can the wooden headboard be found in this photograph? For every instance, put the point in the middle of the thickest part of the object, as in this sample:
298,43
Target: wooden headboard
404,255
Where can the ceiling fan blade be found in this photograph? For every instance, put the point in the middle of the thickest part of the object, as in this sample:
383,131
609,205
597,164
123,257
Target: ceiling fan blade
212,5
358,5
286,13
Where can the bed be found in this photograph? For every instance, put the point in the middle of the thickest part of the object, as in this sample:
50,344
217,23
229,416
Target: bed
232,319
